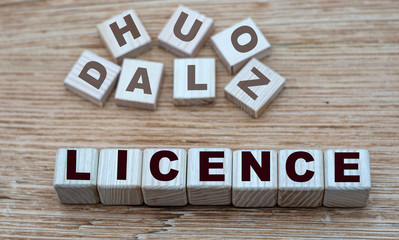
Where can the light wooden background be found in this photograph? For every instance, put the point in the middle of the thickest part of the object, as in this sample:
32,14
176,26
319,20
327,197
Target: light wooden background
340,59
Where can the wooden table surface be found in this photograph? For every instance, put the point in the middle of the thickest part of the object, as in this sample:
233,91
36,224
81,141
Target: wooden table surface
340,59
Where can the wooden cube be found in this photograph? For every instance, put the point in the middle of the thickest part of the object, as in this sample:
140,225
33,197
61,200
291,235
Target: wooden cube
185,32
139,84
254,88
254,178
194,81
75,175
237,44
347,178
124,36
164,177
300,178
119,177
209,174
92,78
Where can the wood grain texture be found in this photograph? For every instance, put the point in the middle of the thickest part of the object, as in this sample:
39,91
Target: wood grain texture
254,96
135,42
347,194
201,192
293,193
114,191
232,59
72,191
133,90
185,47
202,74
80,86
255,192
342,90
165,193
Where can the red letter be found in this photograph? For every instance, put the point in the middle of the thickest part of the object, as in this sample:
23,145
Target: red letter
290,167
205,165
340,166
154,166
179,25
71,168
130,27
248,160
122,164
84,74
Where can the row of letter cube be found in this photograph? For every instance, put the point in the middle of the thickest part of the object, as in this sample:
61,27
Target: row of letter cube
213,176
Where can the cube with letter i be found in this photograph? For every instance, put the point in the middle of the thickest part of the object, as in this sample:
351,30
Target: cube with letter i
119,177
185,32
255,178
209,176
93,78
125,36
237,44
164,177
194,81
254,88
75,175
347,177
300,178
139,84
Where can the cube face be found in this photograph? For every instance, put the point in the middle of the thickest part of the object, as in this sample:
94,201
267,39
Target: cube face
301,178
347,177
208,182
92,78
119,177
139,84
254,191
254,88
164,177
75,175
194,81
185,32
124,35
237,44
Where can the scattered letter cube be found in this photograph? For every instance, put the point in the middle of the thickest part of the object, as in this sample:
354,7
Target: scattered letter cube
125,36
347,178
237,44
75,175
254,88
194,81
139,84
185,32
93,78
119,177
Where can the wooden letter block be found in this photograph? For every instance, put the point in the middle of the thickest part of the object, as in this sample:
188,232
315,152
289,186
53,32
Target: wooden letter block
139,84
194,81
119,177
209,176
125,36
300,178
164,177
185,32
254,178
347,178
75,175
93,78
254,88
237,44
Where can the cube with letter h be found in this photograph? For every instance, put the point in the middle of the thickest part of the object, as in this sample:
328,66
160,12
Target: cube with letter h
124,35
75,175
254,87
93,78
347,178
185,32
